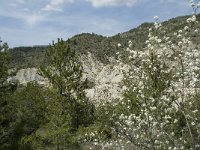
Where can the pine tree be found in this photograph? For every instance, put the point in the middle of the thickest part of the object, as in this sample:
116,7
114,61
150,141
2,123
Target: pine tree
64,72
29,105
6,89
4,62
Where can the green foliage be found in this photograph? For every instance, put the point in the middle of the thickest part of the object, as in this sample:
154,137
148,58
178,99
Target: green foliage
29,105
61,117
27,57
35,117
64,71
4,62
56,132
73,109
6,90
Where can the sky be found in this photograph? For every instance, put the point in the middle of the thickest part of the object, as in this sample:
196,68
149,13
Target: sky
38,22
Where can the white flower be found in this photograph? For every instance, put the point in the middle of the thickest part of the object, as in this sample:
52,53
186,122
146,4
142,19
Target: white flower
119,45
167,38
189,20
149,45
159,40
165,48
175,120
124,88
180,43
127,49
157,25
156,18
130,43
186,28
180,31
195,111
179,35
153,108
147,41
156,141
194,18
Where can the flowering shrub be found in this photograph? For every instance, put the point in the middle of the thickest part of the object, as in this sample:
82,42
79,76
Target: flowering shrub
161,107
162,86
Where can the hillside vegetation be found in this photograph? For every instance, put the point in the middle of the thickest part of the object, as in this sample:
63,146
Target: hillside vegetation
102,47
159,108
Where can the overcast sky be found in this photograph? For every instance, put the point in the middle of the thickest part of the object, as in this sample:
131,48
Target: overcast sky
38,22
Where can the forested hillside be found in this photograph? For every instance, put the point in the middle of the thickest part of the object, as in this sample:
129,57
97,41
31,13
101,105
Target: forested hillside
155,66
102,47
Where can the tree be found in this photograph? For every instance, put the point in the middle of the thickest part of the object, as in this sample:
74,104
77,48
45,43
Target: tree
64,72
5,90
4,62
30,106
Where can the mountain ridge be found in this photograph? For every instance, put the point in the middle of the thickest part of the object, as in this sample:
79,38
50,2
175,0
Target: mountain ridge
101,46
98,56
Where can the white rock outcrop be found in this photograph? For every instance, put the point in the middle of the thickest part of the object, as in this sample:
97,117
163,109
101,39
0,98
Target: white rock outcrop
107,79
23,76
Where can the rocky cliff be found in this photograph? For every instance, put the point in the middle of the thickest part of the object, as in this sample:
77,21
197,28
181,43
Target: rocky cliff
105,79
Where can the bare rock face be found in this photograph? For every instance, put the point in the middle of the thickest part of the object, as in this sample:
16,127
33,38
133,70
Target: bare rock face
24,76
106,79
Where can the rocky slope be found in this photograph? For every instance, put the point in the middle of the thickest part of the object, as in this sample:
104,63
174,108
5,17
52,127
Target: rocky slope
105,79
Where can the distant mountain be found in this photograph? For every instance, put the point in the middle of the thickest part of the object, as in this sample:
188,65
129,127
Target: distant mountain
100,46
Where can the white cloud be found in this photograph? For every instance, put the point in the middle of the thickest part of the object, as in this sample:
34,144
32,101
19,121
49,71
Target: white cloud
107,3
56,5
34,19
24,15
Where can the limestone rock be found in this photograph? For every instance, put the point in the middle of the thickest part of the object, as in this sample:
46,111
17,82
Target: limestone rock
106,79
